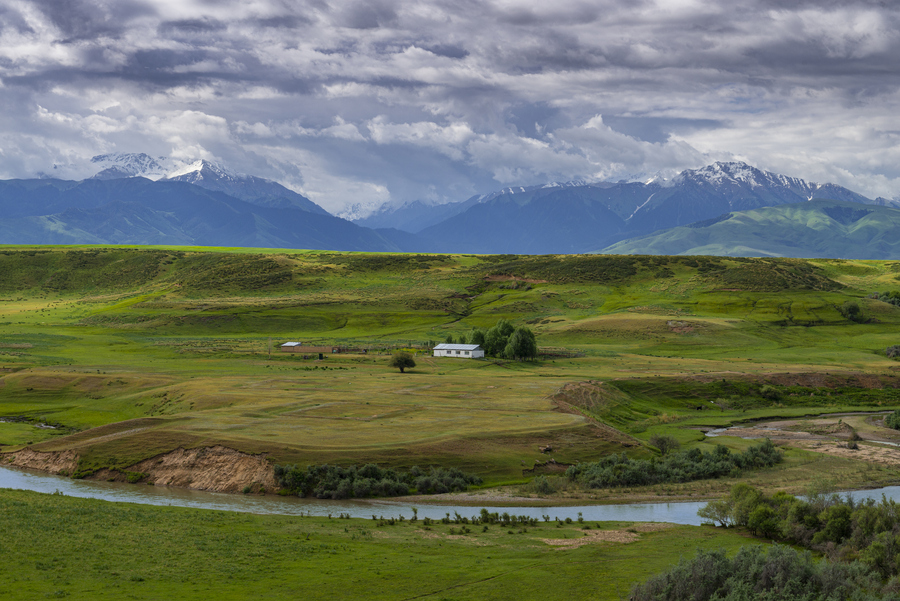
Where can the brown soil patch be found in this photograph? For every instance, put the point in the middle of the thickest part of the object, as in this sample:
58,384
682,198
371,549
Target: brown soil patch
872,453
215,468
623,536
680,327
54,462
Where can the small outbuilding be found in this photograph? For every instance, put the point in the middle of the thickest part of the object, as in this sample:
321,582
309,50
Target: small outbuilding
299,347
460,351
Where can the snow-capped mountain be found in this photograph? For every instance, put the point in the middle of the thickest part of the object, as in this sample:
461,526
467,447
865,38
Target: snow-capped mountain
120,165
587,217
203,173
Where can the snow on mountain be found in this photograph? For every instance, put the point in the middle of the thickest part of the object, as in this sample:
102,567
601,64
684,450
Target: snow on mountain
203,169
738,173
127,164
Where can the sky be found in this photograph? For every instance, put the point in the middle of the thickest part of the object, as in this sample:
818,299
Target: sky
356,104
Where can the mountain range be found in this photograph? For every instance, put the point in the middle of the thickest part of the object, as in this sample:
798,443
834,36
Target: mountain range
723,208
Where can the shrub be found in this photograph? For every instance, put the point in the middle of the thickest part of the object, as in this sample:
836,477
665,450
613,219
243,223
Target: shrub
893,420
852,311
665,444
776,573
334,482
619,470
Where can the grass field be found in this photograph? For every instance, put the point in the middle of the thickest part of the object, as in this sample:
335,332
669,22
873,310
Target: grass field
180,339
55,546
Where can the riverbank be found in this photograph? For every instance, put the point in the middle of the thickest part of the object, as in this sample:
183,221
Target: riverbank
119,550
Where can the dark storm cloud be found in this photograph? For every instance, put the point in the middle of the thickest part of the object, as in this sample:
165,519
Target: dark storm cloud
367,101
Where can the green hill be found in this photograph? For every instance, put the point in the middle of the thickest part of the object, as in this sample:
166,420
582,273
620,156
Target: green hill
819,228
129,353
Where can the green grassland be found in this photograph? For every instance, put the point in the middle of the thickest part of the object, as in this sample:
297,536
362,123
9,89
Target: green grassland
58,546
132,352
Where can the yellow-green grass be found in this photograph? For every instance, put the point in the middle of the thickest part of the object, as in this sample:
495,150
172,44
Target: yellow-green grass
91,336
57,546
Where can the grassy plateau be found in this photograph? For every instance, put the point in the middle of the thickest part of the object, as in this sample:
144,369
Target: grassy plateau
117,355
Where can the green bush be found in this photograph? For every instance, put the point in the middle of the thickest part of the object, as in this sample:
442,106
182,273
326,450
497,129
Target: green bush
334,482
845,528
619,470
776,573
893,420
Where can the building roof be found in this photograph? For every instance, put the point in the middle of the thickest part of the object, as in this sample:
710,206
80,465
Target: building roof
292,344
457,347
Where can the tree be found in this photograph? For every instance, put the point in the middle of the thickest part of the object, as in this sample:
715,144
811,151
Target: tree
402,360
851,311
477,337
521,345
497,337
449,339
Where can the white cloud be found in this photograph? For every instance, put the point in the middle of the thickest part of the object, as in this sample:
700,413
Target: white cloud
390,100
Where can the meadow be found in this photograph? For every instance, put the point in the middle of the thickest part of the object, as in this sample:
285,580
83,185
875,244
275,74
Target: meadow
128,353
62,547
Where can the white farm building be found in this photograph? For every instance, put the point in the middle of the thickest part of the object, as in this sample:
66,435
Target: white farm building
461,351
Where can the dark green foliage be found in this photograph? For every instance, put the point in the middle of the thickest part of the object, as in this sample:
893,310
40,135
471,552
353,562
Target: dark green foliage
334,482
504,340
893,420
496,338
401,360
619,470
522,345
852,311
893,351
666,444
777,573
844,528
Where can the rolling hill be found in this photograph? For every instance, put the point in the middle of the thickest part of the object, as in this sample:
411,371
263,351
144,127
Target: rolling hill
818,228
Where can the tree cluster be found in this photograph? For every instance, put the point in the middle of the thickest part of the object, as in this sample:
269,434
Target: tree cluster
841,528
619,470
502,340
777,573
334,482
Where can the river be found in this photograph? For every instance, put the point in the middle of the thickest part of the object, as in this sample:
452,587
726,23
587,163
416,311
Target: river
675,513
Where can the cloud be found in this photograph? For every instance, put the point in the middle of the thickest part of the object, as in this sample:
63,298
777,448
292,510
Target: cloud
387,101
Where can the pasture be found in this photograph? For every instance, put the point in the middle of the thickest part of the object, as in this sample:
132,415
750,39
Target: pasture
122,354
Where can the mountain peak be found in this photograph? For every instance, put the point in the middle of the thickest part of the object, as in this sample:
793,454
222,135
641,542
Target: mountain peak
130,164
202,169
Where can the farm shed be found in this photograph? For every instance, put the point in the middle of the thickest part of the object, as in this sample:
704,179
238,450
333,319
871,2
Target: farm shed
299,347
461,351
